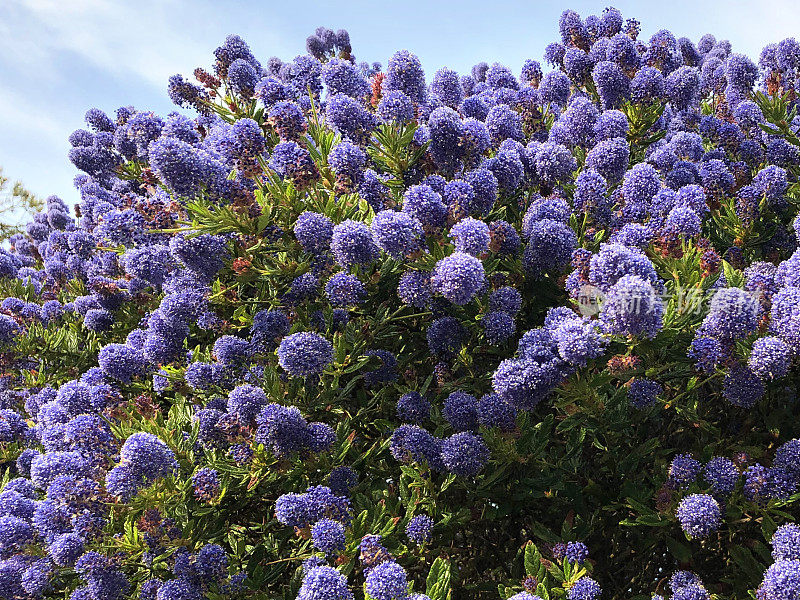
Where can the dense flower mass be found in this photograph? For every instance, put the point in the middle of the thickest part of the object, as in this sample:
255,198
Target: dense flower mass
335,330
699,515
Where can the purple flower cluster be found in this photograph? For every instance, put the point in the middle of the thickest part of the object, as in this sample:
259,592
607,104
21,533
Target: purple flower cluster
317,503
419,529
305,353
458,277
699,515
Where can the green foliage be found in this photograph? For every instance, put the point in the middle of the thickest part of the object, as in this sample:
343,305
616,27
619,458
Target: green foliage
17,205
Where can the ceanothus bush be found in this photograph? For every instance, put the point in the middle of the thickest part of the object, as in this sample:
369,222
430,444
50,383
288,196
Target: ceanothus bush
336,331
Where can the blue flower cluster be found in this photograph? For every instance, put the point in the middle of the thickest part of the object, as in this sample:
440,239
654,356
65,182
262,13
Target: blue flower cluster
782,578
700,514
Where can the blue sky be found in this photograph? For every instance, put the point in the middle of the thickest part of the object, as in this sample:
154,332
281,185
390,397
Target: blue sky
61,57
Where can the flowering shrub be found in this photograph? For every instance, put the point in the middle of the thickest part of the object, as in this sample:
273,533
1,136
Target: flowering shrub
333,332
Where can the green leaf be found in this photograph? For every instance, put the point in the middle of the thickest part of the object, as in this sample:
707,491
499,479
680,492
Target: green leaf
768,527
747,562
542,591
437,585
505,591
532,559
679,550
734,277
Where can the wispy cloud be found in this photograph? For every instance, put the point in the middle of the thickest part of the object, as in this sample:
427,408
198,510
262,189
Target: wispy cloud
147,39
58,58
21,116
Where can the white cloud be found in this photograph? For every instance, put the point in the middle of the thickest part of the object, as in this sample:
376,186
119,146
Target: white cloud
34,148
19,115
148,39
